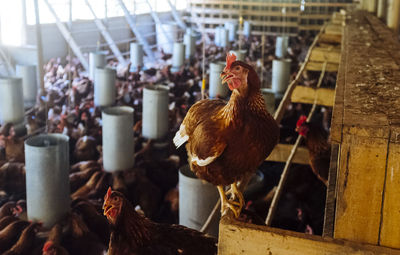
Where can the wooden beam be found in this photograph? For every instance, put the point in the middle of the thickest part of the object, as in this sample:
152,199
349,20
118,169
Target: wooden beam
332,55
281,153
306,95
317,66
330,38
242,238
334,29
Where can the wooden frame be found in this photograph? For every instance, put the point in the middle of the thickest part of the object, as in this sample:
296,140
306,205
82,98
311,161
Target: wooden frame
307,95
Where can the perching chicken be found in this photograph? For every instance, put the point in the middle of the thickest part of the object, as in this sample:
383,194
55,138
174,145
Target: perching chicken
228,141
318,147
133,234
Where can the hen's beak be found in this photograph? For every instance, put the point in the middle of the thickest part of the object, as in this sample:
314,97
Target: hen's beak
225,76
106,208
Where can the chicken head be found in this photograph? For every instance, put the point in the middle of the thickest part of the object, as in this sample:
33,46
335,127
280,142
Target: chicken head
112,205
301,126
234,74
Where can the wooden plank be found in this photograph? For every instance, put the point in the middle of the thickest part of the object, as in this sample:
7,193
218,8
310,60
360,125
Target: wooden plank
390,231
334,29
240,238
321,54
281,153
360,186
317,66
307,95
330,38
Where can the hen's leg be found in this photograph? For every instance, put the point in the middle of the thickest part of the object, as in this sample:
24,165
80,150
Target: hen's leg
236,198
234,206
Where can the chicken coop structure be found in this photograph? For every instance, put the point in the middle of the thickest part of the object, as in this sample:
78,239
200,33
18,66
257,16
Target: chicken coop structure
114,79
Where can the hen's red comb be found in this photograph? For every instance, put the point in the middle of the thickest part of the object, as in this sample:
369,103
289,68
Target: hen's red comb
108,193
47,246
230,58
301,120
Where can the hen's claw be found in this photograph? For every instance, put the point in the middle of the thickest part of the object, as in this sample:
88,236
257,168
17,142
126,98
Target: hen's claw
232,204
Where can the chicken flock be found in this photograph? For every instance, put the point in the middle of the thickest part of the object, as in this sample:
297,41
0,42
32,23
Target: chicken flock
150,188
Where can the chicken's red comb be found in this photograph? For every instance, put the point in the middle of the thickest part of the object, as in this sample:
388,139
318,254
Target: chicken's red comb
108,193
230,58
47,246
301,120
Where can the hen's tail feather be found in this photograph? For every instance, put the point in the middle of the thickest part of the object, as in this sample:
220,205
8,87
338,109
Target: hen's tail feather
180,137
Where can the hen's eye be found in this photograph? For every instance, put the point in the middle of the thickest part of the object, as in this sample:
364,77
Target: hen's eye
115,198
238,68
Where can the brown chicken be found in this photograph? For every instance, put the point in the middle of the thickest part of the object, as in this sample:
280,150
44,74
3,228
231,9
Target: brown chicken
25,242
84,191
10,234
226,142
318,147
7,209
133,234
53,244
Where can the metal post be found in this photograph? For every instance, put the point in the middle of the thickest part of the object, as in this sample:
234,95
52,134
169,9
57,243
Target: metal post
39,48
393,15
106,35
200,26
176,15
158,22
140,38
68,37
24,23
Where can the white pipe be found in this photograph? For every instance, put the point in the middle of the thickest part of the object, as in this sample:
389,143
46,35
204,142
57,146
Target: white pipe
240,54
178,56
162,41
29,83
224,37
247,28
216,88
118,143
96,59
280,75
47,178
104,87
11,100
136,56
155,112
189,39
232,28
281,45
217,36
269,100
196,200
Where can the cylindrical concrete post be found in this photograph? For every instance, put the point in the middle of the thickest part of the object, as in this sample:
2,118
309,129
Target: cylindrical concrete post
96,60
269,100
136,55
118,143
240,54
47,178
393,15
232,28
280,75
178,57
216,88
29,83
11,100
224,37
372,6
163,39
381,11
217,36
247,28
155,112
281,45
190,44
196,201
104,87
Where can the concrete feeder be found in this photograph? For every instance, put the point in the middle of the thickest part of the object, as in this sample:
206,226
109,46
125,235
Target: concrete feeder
280,76
178,57
104,87
217,36
216,88
224,37
240,54
281,45
196,201
11,100
118,143
47,178
232,28
190,44
163,39
155,112
247,28
29,83
96,60
269,100
136,55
